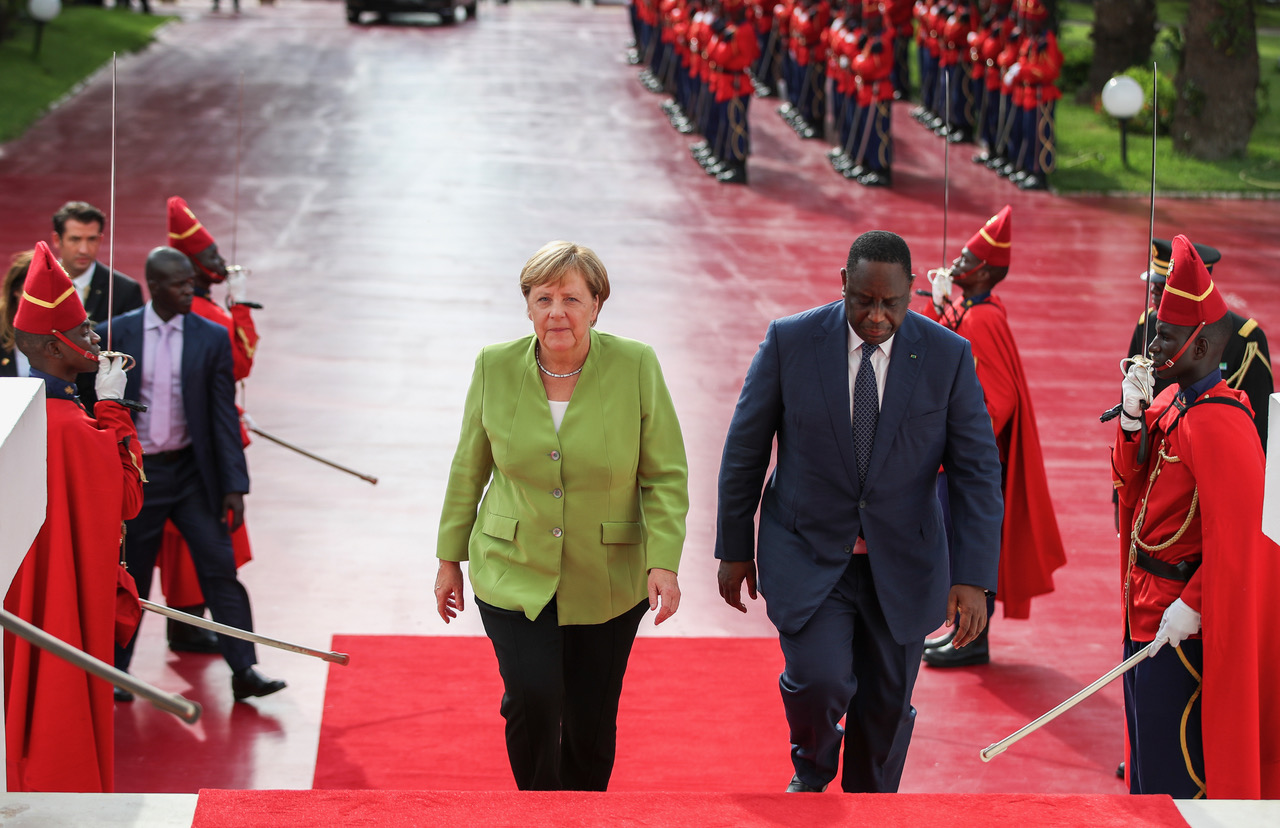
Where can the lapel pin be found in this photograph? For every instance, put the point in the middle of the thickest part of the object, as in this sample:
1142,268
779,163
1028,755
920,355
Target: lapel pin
913,356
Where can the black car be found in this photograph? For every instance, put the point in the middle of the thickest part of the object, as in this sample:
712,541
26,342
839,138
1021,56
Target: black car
447,9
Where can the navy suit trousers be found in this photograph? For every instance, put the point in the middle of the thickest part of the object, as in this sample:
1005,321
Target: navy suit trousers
845,663
174,491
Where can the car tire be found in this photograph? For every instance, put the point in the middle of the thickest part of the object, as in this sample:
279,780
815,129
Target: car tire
353,16
449,16
471,9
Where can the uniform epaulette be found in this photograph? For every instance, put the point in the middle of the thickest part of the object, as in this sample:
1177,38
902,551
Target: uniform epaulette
1248,327
1143,317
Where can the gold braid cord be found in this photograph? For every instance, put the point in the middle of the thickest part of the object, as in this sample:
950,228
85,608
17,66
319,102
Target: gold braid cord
1136,542
1251,352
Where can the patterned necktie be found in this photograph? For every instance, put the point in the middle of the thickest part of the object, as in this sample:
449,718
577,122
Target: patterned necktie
866,412
161,418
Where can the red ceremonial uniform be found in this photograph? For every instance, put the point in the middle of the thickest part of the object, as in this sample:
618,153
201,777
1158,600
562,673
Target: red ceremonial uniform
1210,478
1030,543
58,718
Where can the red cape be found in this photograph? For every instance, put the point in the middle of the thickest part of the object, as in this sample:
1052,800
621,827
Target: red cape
1030,544
58,718
1238,577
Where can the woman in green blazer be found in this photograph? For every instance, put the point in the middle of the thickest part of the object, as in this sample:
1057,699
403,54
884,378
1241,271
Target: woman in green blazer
567,496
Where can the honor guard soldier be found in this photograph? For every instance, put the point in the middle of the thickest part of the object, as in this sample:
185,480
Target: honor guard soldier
1246,359
992,39
765,70
1035,94
953,73
1198,576
732,49
807,89
1030,543
928,54
872,66
58,720
898,16
845,30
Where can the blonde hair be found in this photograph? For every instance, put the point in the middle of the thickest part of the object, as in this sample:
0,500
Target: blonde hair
556,260
8,308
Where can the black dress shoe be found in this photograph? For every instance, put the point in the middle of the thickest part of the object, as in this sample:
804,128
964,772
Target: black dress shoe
185,638
942,640
960,136
122,695
1033,182
797,785
876,178
948,655
1017,175
249,682
995,162
854,172
1120,771
733,175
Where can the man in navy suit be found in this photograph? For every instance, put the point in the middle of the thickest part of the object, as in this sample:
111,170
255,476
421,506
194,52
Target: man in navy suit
866,401
190,436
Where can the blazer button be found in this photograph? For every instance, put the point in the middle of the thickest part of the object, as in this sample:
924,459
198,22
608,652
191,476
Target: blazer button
557,532
862,504
848,549
555,455
557,493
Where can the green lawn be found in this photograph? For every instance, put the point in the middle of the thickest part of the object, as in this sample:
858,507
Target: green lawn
76,43
1089,141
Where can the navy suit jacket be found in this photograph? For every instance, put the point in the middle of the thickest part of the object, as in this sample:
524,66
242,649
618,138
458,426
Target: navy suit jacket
208,398
813,508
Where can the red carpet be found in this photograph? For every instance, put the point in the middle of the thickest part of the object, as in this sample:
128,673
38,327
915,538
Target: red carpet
267,809
697,714
413,713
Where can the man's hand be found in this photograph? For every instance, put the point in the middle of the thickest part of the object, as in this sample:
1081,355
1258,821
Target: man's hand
111,380
731,576
967,612
449,601
941,289
237,287
233,511
1137,390
1012,75
664,590
1178,623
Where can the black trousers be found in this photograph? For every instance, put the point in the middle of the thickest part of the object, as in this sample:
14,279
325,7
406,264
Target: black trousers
174,491
1162,713
845,663
561,690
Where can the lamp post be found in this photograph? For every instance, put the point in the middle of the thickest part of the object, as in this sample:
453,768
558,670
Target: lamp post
1122,97
42,11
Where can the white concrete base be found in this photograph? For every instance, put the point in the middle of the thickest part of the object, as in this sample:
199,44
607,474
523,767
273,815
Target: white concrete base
71,810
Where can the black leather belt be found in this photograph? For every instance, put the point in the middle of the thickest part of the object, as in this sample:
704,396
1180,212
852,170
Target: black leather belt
166,456
1181,571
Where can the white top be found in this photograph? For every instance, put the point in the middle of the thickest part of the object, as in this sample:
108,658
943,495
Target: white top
558,407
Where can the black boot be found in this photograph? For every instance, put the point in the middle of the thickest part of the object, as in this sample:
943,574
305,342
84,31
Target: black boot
184,638
973,653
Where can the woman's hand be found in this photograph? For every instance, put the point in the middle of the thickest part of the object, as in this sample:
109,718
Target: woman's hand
663,587
449,590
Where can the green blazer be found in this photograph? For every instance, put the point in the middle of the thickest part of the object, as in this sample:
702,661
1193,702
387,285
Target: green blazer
582,515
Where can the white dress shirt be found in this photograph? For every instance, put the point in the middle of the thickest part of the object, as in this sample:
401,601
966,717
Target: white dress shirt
879,361
155,385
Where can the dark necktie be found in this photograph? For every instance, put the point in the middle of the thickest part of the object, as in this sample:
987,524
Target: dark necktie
866,412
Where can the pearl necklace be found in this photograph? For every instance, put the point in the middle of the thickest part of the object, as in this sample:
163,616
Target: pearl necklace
544,370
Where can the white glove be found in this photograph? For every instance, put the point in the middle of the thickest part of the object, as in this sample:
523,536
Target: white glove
941,289
1012,74
237,287
1179,623
110,381
1136,388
